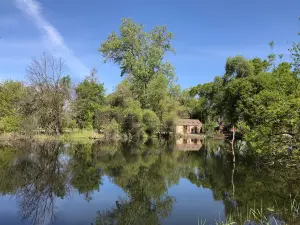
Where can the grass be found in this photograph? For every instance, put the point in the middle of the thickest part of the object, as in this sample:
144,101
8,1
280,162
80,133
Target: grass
259,217
81,136
75,136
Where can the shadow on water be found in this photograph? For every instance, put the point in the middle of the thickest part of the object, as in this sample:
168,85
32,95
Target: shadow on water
38,174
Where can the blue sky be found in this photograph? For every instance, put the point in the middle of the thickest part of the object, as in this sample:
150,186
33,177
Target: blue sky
206,33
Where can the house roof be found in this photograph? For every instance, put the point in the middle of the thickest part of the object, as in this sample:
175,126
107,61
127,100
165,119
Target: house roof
187,122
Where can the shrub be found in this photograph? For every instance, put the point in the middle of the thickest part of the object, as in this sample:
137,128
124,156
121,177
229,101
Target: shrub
9,123
151,122
132,123
111,131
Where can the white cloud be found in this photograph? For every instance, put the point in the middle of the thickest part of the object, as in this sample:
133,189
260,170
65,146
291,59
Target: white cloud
55,41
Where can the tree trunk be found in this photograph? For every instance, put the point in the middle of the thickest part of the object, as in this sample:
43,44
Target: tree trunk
232,144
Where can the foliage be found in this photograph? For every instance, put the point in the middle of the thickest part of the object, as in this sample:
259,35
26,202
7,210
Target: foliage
112,131
151,122
89,97
11,94
140,55
259,65
295,53
263,103
237,67
132,125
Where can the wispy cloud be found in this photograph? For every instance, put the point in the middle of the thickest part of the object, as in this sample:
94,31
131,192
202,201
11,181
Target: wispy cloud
55,41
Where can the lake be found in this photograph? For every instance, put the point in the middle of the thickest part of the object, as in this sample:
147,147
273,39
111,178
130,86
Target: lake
159,182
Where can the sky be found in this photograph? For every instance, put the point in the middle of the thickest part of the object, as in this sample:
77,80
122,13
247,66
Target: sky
206,33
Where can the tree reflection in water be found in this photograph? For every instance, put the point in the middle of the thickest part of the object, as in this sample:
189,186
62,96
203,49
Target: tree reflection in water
42,177
38,174
136,211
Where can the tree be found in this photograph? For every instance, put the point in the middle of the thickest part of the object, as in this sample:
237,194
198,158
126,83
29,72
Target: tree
263,103
157,90
11,94
139,54
210,105
237,67
132,124
49,91
151,122
295,53
259,65
89,97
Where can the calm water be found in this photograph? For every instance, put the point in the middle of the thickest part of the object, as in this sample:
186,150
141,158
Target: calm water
155,183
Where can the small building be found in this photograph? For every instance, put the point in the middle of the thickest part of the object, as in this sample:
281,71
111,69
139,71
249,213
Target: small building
188,126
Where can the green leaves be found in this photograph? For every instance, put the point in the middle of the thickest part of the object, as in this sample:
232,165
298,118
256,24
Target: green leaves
151,122
265,106
238,67
11,95
139,54
89,97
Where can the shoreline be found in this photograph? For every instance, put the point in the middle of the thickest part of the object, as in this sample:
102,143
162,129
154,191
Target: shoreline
79,136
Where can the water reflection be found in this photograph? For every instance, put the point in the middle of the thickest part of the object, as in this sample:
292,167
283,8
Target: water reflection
37,178
188,144
38,175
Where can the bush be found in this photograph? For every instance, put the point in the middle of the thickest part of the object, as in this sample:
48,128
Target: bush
101,118
151,122
111,131
69,123
28,125
132,123
9,123
169,125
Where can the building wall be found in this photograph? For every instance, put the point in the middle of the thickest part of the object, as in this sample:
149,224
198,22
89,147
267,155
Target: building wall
179,129
179,141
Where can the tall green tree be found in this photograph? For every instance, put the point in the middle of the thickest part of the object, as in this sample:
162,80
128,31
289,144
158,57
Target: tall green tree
237,67
259,65
295,53
265,106
139,54
11,94
89,97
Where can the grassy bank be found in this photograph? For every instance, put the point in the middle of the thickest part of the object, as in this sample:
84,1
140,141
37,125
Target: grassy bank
76,136
260,216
